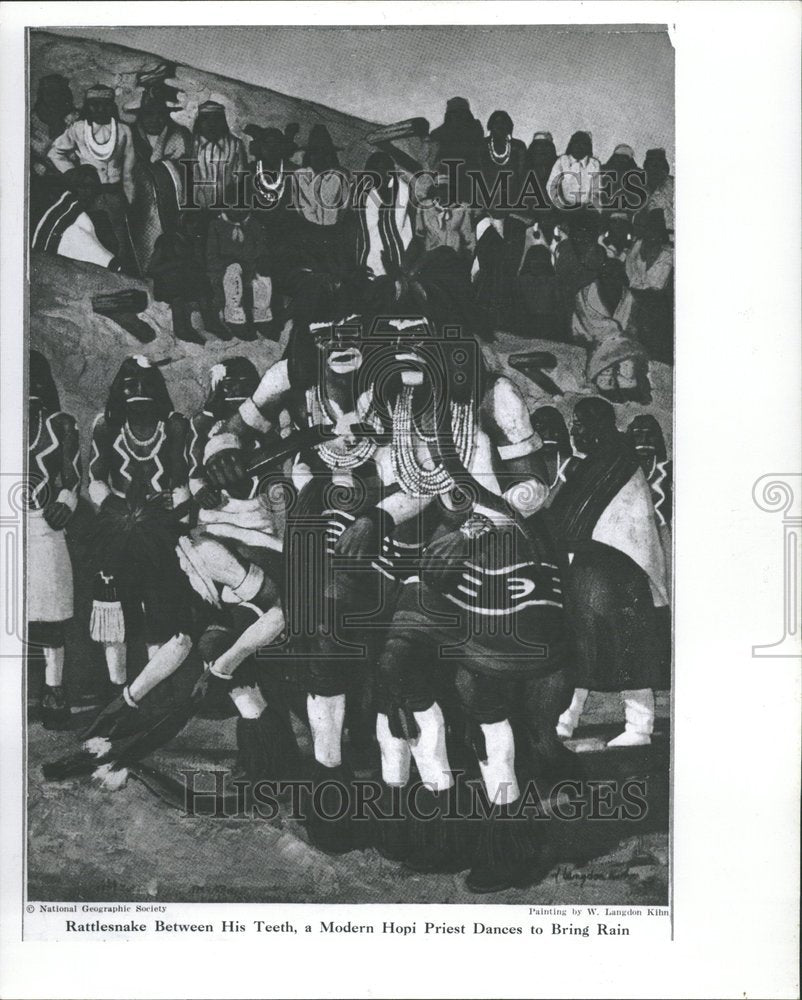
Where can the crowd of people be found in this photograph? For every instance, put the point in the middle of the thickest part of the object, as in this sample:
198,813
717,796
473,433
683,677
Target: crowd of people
550,247
376,522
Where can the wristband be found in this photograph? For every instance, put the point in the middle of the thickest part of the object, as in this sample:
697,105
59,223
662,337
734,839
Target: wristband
221,442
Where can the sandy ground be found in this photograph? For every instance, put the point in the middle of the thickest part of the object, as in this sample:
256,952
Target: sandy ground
89,844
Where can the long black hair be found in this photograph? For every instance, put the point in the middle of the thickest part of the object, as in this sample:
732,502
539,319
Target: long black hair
157,387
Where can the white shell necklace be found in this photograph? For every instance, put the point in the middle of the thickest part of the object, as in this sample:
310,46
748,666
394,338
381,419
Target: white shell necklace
271,191
101,150
134,443
500,158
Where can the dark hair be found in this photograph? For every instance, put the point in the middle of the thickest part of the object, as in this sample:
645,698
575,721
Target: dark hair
596,412
115,404
500,118
39,368
580,146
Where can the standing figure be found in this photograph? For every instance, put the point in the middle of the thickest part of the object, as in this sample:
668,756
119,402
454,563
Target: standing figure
454,148
137,475
486,605
383,214
622,182
500,232
659,184
540,159
337,534
162,147
321,194
218,157
54,468
617,577
99,139
53,111
574,178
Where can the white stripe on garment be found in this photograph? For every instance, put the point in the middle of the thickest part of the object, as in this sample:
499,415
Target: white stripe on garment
496,612
52,208
382,571
499,572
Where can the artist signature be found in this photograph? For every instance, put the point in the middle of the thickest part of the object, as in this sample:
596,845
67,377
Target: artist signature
566,874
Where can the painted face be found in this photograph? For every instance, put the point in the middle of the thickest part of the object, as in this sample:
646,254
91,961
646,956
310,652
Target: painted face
645,437
550,426
212,127
234,390
99,110
340,347
139,401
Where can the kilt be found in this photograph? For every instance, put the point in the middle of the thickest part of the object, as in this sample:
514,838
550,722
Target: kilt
49,572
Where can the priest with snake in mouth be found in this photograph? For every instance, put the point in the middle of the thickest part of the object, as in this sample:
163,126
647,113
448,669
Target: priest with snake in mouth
338,536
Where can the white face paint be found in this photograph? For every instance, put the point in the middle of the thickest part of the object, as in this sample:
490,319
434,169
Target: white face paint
343,362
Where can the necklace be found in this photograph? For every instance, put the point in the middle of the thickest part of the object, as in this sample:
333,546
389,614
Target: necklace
500,158
414,477
347,456
101,150
134,442
271,191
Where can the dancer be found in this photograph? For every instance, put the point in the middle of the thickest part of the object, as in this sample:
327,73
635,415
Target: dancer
137,475
54,464
462,433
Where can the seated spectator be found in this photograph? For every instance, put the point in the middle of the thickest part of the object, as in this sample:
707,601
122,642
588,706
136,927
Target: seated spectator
239,272
617,365
441,223
574,178
578,257
539,296
650,270
616,240
659,185
622,181
61,223
99,139
178,270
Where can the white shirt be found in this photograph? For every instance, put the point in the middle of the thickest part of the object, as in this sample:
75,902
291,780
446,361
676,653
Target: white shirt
574,182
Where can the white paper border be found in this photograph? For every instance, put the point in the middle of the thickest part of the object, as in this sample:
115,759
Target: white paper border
736,723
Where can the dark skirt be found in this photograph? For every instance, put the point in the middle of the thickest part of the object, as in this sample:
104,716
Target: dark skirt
614,626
